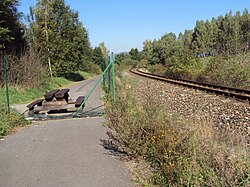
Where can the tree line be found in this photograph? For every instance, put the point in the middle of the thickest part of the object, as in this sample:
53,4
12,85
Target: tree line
53,32
225,35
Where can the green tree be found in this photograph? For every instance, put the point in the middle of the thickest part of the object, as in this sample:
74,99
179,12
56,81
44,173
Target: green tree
214,37
97,57
158,51
199,37
168,45
245,30
11,29
134,54
186,38
147,51
120,57
60,36
105,51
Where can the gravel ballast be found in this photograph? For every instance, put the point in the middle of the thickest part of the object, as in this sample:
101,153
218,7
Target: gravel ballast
226,114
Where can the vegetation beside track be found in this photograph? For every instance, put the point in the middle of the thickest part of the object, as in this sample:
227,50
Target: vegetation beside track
230,71
179,152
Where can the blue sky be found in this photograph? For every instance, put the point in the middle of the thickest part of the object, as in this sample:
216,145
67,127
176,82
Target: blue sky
125,24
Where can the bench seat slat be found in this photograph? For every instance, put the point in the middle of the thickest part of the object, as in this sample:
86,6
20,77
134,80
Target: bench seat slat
33,104
79,101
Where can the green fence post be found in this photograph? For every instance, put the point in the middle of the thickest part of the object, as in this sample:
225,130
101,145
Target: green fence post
109,76
91,91
7,84
104,78
113,75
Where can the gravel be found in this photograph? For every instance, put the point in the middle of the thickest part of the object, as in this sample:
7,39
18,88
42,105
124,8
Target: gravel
226,113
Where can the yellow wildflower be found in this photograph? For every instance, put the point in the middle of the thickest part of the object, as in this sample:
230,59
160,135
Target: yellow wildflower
171,164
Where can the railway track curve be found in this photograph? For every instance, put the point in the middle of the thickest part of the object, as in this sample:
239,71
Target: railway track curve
229,92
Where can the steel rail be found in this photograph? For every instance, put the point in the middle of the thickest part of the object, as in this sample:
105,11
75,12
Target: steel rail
240,94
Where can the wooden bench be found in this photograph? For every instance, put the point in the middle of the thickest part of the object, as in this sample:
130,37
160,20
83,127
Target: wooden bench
79,101
50,95
33,104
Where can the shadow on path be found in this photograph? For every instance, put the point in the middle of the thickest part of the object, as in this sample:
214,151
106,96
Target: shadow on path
113,149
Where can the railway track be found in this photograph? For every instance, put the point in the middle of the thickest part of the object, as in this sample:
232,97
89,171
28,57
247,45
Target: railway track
239,94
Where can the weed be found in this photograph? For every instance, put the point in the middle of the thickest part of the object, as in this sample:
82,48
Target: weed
10,121
180,152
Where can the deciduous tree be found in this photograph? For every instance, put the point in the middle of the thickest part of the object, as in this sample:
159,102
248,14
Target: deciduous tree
60,36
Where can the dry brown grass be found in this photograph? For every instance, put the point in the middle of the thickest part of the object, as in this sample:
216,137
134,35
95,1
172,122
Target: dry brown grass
27,70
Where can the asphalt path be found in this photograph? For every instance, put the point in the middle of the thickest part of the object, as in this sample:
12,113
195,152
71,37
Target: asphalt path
63,153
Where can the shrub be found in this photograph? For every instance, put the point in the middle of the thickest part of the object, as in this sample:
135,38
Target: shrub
231,72
92,68
142,64
180,152
157,68
128,62
26,70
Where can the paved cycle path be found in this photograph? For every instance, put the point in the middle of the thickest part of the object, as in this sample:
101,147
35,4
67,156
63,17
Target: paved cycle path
63,153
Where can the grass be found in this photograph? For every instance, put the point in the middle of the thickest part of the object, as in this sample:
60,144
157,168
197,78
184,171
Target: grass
180,152
86,75
9,122
20,94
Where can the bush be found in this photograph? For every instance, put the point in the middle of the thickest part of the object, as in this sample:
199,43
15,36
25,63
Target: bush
180,152
26,70
157,69
92,68
142,63
130,63
231,72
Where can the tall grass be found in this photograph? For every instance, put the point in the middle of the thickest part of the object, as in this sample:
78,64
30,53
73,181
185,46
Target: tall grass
180,152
